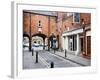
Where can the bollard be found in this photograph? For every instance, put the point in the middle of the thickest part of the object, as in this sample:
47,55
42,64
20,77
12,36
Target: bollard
32,52
65,53
51,65
36,56
48,49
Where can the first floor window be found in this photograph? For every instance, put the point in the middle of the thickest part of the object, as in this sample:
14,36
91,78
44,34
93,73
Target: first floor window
76,17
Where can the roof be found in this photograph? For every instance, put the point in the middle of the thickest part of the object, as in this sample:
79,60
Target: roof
48,13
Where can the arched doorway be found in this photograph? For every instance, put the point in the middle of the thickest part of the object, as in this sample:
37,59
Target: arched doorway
26,41
37,43
53,42
39,38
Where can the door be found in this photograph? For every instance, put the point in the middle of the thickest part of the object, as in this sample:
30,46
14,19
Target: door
89,46
81,40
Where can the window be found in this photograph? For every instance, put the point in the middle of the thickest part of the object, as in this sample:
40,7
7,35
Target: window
76,17
72,43
39,21
39,24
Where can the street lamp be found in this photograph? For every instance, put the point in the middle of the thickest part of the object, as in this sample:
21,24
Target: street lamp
84,37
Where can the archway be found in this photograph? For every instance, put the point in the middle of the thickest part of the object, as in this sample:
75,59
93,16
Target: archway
26,40
39,40
53,42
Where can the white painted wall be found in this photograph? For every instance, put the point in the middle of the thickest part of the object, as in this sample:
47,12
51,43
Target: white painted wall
78,45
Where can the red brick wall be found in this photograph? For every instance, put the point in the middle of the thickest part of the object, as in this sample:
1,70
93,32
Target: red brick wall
53,26
86,17
68,22
35,18
35,24
65,23
26,23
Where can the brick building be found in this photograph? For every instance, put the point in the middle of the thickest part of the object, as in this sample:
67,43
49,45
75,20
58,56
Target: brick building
41,24
65,30
77,34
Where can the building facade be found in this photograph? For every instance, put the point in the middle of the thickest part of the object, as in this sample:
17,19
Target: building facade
77,37
60,30
40,24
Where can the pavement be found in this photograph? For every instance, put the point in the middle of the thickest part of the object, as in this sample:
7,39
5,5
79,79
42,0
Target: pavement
74,58
29,61
58,58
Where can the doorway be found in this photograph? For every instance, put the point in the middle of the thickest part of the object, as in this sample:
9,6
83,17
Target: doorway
81,40
88,46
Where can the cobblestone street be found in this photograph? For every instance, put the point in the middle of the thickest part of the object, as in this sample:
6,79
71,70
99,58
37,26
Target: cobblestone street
46,57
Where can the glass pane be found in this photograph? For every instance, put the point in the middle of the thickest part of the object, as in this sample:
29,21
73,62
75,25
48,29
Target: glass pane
76,17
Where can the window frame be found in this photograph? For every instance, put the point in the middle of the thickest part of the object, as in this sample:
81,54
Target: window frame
74,21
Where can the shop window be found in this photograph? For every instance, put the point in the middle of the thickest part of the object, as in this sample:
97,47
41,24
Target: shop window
72,43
